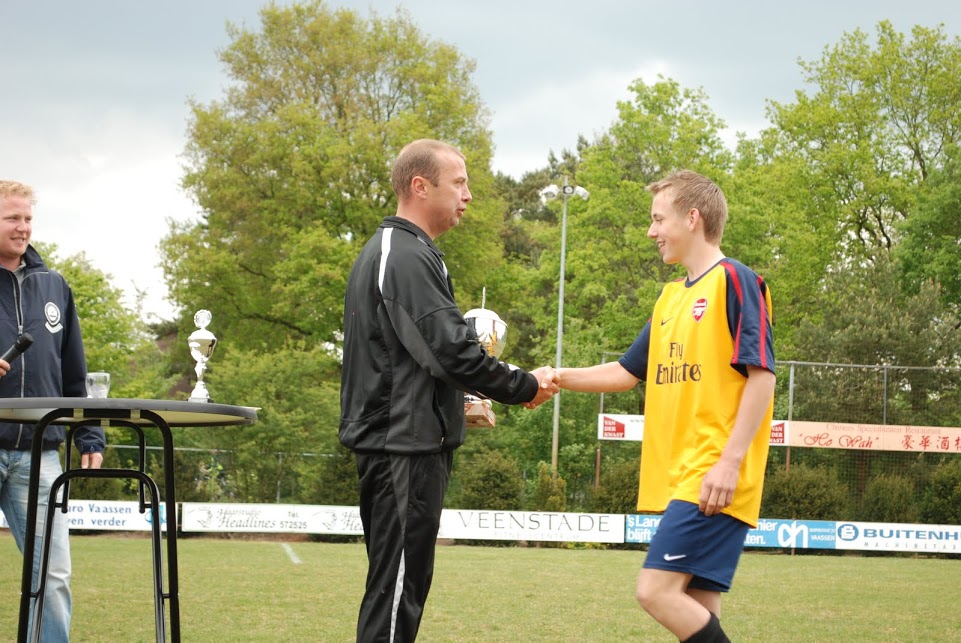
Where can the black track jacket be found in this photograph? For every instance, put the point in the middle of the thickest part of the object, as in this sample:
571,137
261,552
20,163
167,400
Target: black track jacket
408,352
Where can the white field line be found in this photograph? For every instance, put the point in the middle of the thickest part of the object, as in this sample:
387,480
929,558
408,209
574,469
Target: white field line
290,554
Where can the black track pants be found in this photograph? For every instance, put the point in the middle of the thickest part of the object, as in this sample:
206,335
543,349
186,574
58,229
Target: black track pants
401,498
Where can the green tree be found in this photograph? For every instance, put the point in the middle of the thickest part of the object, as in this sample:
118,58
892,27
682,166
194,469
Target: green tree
618,490
613,272
878,122
889,498
777,229
296,390
112,333
941,498
867,318
550,491
805,493
838,174
291,168
331,481
490,480
930,250
115,337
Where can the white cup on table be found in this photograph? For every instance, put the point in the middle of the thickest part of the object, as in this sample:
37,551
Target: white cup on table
98,384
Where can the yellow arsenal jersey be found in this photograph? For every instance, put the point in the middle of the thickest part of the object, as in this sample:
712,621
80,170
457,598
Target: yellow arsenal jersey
699,342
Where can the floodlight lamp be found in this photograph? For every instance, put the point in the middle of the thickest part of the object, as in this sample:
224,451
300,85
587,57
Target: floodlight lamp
549,193
581,192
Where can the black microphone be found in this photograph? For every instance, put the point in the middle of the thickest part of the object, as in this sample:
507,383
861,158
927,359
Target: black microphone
23,343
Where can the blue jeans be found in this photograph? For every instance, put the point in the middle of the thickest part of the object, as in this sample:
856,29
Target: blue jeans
14,480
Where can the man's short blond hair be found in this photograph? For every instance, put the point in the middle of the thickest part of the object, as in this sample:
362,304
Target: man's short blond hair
15,188
418,158
695,191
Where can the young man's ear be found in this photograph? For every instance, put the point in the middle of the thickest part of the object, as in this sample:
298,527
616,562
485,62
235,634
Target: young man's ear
693,216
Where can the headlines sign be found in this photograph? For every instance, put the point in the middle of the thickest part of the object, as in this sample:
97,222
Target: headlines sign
253,518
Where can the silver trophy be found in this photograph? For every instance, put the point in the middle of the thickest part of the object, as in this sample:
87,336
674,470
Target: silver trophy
202,343
491,333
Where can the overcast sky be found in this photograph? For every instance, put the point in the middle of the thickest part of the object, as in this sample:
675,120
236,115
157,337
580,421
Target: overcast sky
93,102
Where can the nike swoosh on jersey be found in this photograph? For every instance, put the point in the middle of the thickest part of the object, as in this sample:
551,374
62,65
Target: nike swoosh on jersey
669,557
664,321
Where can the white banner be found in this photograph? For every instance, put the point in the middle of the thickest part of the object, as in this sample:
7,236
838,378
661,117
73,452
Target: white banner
620,427
299,519
455,523
107,515
545,526
532,526
943,539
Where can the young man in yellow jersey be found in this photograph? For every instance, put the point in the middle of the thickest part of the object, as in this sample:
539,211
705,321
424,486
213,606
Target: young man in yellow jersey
708,360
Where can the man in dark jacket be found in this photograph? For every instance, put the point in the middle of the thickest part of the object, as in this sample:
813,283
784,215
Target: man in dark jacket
37,300
409,356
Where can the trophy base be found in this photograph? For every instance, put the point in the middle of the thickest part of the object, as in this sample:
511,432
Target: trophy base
199,394
478,413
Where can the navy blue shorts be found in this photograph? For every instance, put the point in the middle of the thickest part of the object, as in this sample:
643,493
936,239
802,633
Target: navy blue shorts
707,547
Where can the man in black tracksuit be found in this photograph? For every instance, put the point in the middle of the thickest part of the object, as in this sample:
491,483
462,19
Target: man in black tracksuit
409,356
38,301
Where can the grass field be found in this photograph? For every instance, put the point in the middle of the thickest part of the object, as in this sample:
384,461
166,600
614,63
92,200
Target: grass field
245,590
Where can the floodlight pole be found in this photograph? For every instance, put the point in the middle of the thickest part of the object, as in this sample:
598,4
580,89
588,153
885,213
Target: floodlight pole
565,191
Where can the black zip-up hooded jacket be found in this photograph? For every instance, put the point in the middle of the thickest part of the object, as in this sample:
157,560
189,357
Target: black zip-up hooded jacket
54,366
409,355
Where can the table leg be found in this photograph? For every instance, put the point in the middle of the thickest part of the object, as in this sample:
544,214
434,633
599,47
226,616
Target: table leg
173,587
33,496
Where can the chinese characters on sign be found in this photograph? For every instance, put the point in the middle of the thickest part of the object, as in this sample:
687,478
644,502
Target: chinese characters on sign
876,437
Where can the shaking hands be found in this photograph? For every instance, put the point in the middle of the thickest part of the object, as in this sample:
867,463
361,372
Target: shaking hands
547,386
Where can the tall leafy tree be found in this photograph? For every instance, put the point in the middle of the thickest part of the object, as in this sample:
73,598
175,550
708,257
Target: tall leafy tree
876,124
931,249
291,167
776,229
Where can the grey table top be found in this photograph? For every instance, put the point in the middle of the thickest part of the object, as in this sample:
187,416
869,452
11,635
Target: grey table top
79,409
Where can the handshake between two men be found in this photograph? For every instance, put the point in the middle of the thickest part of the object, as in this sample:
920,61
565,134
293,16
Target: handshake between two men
547,386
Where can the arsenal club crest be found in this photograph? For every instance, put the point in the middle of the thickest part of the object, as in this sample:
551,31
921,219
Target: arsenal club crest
700,307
